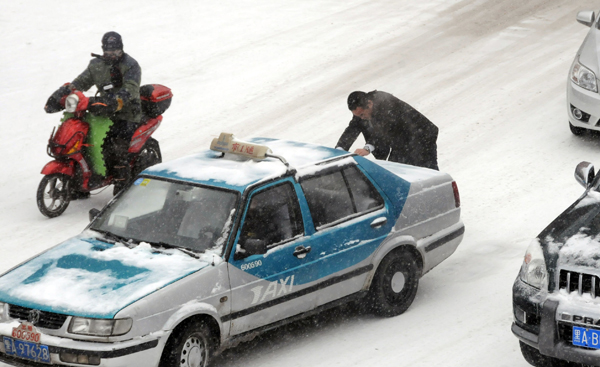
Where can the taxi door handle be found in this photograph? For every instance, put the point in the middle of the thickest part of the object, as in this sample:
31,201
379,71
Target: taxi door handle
301,251
381,221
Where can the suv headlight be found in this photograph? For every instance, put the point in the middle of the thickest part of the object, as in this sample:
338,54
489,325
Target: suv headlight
100,327
533,271
583,77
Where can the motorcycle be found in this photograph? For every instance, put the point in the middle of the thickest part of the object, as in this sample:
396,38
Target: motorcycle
76,146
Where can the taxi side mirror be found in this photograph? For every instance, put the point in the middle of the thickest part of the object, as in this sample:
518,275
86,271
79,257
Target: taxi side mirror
94,213
584,174
255,247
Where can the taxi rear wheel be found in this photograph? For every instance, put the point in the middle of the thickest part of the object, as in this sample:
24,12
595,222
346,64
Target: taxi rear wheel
395,284
189,346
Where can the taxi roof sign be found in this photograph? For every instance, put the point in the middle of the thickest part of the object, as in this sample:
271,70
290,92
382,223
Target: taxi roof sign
226,143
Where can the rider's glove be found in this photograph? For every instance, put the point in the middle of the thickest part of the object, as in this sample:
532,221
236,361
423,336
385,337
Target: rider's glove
56,102
104,106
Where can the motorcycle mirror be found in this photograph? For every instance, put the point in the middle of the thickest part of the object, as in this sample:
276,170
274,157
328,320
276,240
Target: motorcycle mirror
94,213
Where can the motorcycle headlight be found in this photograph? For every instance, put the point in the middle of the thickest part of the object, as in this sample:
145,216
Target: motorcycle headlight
533,271
583,77
71,103
100,327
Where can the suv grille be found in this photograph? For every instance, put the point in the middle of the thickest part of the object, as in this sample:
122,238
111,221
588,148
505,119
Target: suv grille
48,320
580,282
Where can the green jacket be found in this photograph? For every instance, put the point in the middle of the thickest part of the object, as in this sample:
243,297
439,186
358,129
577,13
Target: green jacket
98,73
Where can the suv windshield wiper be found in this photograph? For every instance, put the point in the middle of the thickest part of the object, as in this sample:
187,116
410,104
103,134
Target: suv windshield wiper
169,246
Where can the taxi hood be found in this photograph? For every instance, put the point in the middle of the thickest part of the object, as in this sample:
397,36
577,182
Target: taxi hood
86,277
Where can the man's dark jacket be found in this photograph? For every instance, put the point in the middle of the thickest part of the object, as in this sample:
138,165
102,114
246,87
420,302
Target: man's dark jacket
125,84
397,127
359,126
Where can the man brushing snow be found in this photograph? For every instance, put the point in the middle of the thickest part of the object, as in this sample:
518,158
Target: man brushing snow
392,129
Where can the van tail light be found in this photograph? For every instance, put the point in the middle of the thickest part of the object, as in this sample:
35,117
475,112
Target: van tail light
456,194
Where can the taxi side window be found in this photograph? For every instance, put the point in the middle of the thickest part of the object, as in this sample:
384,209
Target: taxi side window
364,194
340,194
273,216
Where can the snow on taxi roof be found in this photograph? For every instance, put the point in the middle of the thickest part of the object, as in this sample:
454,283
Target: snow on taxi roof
236,171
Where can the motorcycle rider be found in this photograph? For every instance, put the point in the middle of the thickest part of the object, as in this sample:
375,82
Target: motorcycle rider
117,77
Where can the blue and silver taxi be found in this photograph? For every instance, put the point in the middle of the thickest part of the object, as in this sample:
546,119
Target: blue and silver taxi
208,250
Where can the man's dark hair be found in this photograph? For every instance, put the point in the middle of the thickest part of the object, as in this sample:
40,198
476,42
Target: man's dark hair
112,41
357,99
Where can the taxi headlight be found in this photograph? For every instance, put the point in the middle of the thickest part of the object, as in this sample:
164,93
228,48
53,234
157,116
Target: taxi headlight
583,77
100,327
533,271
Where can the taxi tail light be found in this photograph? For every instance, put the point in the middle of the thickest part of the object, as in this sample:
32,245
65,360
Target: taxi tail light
456,194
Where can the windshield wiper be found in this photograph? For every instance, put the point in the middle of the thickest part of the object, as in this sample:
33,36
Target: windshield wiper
168,246
113,237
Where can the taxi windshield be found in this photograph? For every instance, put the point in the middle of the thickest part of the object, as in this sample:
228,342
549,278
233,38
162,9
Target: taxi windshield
171,214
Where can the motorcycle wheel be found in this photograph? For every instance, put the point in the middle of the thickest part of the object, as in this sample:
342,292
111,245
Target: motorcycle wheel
53,194
148,156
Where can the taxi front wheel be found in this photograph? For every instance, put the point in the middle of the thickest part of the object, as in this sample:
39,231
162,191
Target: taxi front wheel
189,346
394,285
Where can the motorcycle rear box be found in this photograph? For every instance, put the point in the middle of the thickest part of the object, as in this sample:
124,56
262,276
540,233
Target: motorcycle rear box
155,98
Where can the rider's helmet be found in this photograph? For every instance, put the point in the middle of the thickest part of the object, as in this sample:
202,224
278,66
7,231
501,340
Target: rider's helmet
112,41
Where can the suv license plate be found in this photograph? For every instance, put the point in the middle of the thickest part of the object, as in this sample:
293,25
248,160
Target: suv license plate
589,338
26,350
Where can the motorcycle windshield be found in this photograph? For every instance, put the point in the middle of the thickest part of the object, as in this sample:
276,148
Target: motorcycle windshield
171,214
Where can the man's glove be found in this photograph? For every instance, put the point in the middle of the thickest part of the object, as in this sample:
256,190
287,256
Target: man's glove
104,106
56,102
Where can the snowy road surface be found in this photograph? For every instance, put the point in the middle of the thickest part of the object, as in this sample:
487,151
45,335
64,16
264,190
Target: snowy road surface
491,74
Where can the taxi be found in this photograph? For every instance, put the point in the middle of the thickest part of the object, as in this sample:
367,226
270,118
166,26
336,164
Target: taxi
203,252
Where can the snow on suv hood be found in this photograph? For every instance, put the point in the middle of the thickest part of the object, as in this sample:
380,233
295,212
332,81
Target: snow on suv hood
90,278
579,250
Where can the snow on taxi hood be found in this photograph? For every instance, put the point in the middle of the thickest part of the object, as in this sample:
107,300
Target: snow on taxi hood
90,278
238,172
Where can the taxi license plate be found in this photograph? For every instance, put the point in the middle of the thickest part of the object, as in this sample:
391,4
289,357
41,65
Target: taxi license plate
589,338
26,350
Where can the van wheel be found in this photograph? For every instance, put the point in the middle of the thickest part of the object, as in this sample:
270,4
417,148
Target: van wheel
189,346
576,130
394,285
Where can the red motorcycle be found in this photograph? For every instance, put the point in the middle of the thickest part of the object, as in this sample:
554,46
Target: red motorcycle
78,165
